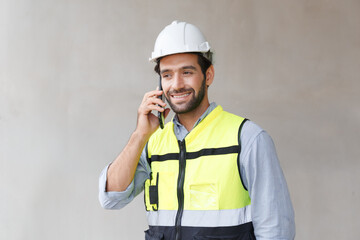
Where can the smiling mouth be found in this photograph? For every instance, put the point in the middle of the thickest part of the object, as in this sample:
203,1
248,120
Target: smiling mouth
180,96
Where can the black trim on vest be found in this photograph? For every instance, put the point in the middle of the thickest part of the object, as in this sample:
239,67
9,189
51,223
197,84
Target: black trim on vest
147,154
194,155
160,158
180,189
242,232
238,162
212,151
149,162
154,193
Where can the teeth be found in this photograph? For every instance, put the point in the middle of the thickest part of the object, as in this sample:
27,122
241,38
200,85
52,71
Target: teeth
180,96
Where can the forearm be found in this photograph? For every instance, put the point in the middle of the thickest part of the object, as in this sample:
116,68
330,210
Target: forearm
121,172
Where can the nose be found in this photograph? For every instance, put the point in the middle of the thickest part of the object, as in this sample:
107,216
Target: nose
178,82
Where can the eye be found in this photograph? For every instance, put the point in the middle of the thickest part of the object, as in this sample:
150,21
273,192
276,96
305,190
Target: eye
166,76
187,73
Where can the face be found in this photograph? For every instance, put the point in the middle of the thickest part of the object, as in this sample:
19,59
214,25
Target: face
183,82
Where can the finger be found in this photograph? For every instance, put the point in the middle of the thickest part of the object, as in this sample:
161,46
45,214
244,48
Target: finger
154,93
150,108
154,100
151,104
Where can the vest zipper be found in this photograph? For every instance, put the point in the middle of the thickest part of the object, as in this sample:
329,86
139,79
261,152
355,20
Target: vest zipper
180,189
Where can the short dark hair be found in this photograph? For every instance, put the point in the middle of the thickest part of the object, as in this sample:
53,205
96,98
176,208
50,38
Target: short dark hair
204,60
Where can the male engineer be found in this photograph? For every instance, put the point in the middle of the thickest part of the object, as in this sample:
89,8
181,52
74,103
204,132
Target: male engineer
207,174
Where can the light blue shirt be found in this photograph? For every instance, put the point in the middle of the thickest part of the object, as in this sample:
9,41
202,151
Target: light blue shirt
271,208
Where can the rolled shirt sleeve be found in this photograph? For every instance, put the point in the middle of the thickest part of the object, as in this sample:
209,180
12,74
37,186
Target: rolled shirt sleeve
117,200
271,208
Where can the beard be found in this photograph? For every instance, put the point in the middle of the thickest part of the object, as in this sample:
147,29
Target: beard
192,104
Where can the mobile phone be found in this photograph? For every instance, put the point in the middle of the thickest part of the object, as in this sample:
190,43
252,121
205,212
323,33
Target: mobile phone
161,114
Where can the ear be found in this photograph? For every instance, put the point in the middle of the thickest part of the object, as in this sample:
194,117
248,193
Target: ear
210,73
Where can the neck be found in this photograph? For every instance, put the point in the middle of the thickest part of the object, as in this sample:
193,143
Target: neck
189,119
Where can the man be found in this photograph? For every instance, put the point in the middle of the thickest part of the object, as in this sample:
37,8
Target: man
208,174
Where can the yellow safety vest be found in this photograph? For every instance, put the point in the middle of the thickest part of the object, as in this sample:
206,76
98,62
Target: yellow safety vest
196,182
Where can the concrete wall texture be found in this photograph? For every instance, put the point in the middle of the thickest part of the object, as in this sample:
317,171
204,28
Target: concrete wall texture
74,72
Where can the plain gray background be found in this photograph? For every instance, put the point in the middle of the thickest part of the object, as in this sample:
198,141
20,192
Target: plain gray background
74,72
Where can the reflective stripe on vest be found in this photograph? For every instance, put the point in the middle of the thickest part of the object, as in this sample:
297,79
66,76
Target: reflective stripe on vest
199,218
201,185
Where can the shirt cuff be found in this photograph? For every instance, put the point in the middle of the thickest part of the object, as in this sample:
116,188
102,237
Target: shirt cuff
113,199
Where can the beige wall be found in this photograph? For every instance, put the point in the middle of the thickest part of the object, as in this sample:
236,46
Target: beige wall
74,72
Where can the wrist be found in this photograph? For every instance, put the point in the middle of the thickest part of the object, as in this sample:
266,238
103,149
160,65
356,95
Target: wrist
141,135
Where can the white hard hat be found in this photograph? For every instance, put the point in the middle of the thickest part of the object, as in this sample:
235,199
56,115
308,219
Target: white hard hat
179,37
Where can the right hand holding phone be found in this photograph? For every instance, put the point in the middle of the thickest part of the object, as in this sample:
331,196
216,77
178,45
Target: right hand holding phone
147,123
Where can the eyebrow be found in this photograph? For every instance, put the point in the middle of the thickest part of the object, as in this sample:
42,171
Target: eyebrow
183,68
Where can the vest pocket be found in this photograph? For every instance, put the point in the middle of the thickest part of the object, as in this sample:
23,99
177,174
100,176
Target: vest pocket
204,196
150,235
151,193
154,193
